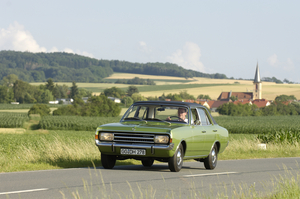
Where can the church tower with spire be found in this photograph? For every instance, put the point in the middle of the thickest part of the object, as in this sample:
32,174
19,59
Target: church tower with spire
257,85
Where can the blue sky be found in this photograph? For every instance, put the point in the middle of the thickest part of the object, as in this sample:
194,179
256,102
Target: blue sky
227,37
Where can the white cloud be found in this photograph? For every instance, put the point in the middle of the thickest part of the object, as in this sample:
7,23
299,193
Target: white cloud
188,57
287,66
15,37
84,53
273,60
143,47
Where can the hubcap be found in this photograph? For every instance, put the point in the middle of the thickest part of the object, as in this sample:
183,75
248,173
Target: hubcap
213,156
179,158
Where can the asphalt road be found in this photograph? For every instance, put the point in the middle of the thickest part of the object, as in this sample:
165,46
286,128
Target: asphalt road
134,181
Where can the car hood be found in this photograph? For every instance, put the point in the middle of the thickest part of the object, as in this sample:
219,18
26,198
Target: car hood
141,126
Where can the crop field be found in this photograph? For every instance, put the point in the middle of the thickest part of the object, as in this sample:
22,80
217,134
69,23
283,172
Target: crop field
197,86
13,120
23,106
259,124
76,123
234,124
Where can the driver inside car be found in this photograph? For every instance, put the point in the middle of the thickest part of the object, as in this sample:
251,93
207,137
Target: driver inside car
181,115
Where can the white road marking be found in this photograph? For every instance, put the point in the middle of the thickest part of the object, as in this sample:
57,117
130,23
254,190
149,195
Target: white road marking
209,174
24,191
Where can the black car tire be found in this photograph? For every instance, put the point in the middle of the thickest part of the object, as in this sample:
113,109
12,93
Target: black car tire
108,161
175,162
210,162
147,162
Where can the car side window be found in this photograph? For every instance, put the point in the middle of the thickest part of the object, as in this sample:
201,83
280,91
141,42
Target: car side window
195,117
203,116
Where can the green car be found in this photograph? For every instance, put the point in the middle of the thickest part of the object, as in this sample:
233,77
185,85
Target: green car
166,131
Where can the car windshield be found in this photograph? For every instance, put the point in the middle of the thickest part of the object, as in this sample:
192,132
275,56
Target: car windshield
157,113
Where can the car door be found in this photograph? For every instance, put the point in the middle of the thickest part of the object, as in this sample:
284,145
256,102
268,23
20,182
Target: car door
199,134
208,129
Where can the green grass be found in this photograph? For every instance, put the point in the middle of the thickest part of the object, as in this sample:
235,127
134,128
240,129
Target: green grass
246,146
43,149
40,149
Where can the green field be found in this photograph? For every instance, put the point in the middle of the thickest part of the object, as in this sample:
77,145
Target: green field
194,86
7,107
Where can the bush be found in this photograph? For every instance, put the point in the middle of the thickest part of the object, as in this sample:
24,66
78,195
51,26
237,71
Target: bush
41,109
127,101
96,106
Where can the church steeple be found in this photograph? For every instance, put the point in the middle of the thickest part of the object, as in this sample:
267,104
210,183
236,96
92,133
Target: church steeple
257,85
257,76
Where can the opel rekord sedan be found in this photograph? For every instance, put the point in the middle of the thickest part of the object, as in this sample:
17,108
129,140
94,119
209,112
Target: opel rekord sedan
165,131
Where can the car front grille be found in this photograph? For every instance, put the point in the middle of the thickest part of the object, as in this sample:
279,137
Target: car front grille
134,138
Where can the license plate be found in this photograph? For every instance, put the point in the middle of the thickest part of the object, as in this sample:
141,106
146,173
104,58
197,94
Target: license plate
133,151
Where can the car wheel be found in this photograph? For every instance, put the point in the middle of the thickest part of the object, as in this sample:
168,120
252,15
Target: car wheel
108,161
175,162
211,161
147,162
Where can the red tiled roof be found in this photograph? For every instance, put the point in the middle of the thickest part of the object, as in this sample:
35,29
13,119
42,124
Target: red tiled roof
216,104
239,95
261,102
242,101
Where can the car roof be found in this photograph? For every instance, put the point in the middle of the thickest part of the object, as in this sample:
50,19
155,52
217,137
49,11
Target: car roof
173,103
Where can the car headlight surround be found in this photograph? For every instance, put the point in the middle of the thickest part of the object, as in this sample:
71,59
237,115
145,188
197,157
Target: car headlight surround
161,139
104,136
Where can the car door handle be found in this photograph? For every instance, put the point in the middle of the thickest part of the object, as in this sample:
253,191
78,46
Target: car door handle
215,130
203,131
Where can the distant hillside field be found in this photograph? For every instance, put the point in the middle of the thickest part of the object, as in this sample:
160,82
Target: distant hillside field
68,67
194,86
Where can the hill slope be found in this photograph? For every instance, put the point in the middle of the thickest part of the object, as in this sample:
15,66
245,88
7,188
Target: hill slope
66,67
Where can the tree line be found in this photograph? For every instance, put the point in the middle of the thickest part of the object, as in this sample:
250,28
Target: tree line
13,89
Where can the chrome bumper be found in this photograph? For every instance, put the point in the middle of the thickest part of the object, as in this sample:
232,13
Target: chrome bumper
113,145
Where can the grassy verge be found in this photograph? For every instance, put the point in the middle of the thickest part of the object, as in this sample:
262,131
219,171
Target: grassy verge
43,149
245,146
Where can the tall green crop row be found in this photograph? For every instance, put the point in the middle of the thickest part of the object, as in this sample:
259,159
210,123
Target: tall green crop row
74,122
259,124
13,120
234,124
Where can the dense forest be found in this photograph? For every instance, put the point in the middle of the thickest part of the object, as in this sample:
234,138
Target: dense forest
67,67
61,67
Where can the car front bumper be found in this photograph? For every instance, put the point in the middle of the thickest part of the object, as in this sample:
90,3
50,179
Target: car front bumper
151,149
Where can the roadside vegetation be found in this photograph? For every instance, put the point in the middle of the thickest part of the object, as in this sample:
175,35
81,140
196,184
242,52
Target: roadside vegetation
32,145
